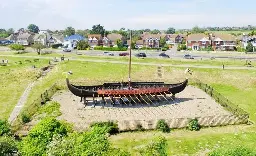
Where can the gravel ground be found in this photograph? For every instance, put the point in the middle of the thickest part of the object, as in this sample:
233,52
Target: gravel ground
191,103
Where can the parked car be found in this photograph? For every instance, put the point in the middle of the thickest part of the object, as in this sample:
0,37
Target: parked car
108,53
164,55
141,55
123,54
187,56
67,50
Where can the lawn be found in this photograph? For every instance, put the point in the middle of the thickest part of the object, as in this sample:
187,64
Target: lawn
14,78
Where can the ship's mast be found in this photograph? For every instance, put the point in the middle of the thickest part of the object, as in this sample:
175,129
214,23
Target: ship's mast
130,61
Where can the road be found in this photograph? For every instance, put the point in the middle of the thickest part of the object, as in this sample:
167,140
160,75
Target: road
173,53
140,63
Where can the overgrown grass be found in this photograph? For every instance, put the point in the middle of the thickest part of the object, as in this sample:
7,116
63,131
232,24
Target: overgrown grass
14,78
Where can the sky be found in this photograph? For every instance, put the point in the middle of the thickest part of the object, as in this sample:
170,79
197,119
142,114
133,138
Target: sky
131,14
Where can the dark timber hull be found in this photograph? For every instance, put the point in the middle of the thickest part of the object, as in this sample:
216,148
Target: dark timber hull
121,89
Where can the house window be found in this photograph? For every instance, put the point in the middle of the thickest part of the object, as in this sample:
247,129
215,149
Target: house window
217,42
203,42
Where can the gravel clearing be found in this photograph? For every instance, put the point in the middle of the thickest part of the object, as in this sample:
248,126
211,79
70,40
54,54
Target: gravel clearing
191,103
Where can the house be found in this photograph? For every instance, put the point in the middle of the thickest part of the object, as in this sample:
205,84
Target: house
41,38
226,42
198,41
25,38
172,39
71,41
56,39
245,39
138,44
111,39
152,40
94,40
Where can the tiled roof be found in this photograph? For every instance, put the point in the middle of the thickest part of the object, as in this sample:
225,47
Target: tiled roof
197,37
24,36
97,36
114,37
224,37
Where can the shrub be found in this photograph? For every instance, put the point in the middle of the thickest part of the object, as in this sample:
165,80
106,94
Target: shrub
162,126
82,45
193,125
16,47
41,135
4,127
25,118
110,48
8,146
148,48
209,48
156,148
234,151
88,143
56,46
240,49
181,47
105,127
164,49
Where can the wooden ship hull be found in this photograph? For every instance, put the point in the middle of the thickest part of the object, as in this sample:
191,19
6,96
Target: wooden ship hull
122,89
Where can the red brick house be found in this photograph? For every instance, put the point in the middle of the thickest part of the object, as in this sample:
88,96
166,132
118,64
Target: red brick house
198,41
152,40
226,42
94,40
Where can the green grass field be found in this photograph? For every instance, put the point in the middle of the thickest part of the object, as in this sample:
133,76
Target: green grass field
239,86
14,78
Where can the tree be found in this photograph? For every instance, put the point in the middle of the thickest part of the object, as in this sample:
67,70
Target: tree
38,47
147,30
98,29
170,30
69,31
196,29
10,31
8,146
33,28
249,47
83,33
155,31
162,42
119,43
82,45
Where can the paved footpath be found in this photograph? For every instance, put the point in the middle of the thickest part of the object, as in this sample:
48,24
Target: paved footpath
16,111
146,64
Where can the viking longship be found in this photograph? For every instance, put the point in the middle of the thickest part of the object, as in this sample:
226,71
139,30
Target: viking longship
134,92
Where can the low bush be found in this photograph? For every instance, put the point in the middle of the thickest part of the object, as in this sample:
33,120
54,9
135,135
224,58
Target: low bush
110,48
233,151
25,118
56,46
157,148
209,48
8,146
41,135
193,125
181,47
16,47
148,48
162,126
92,142
105,127
4,127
